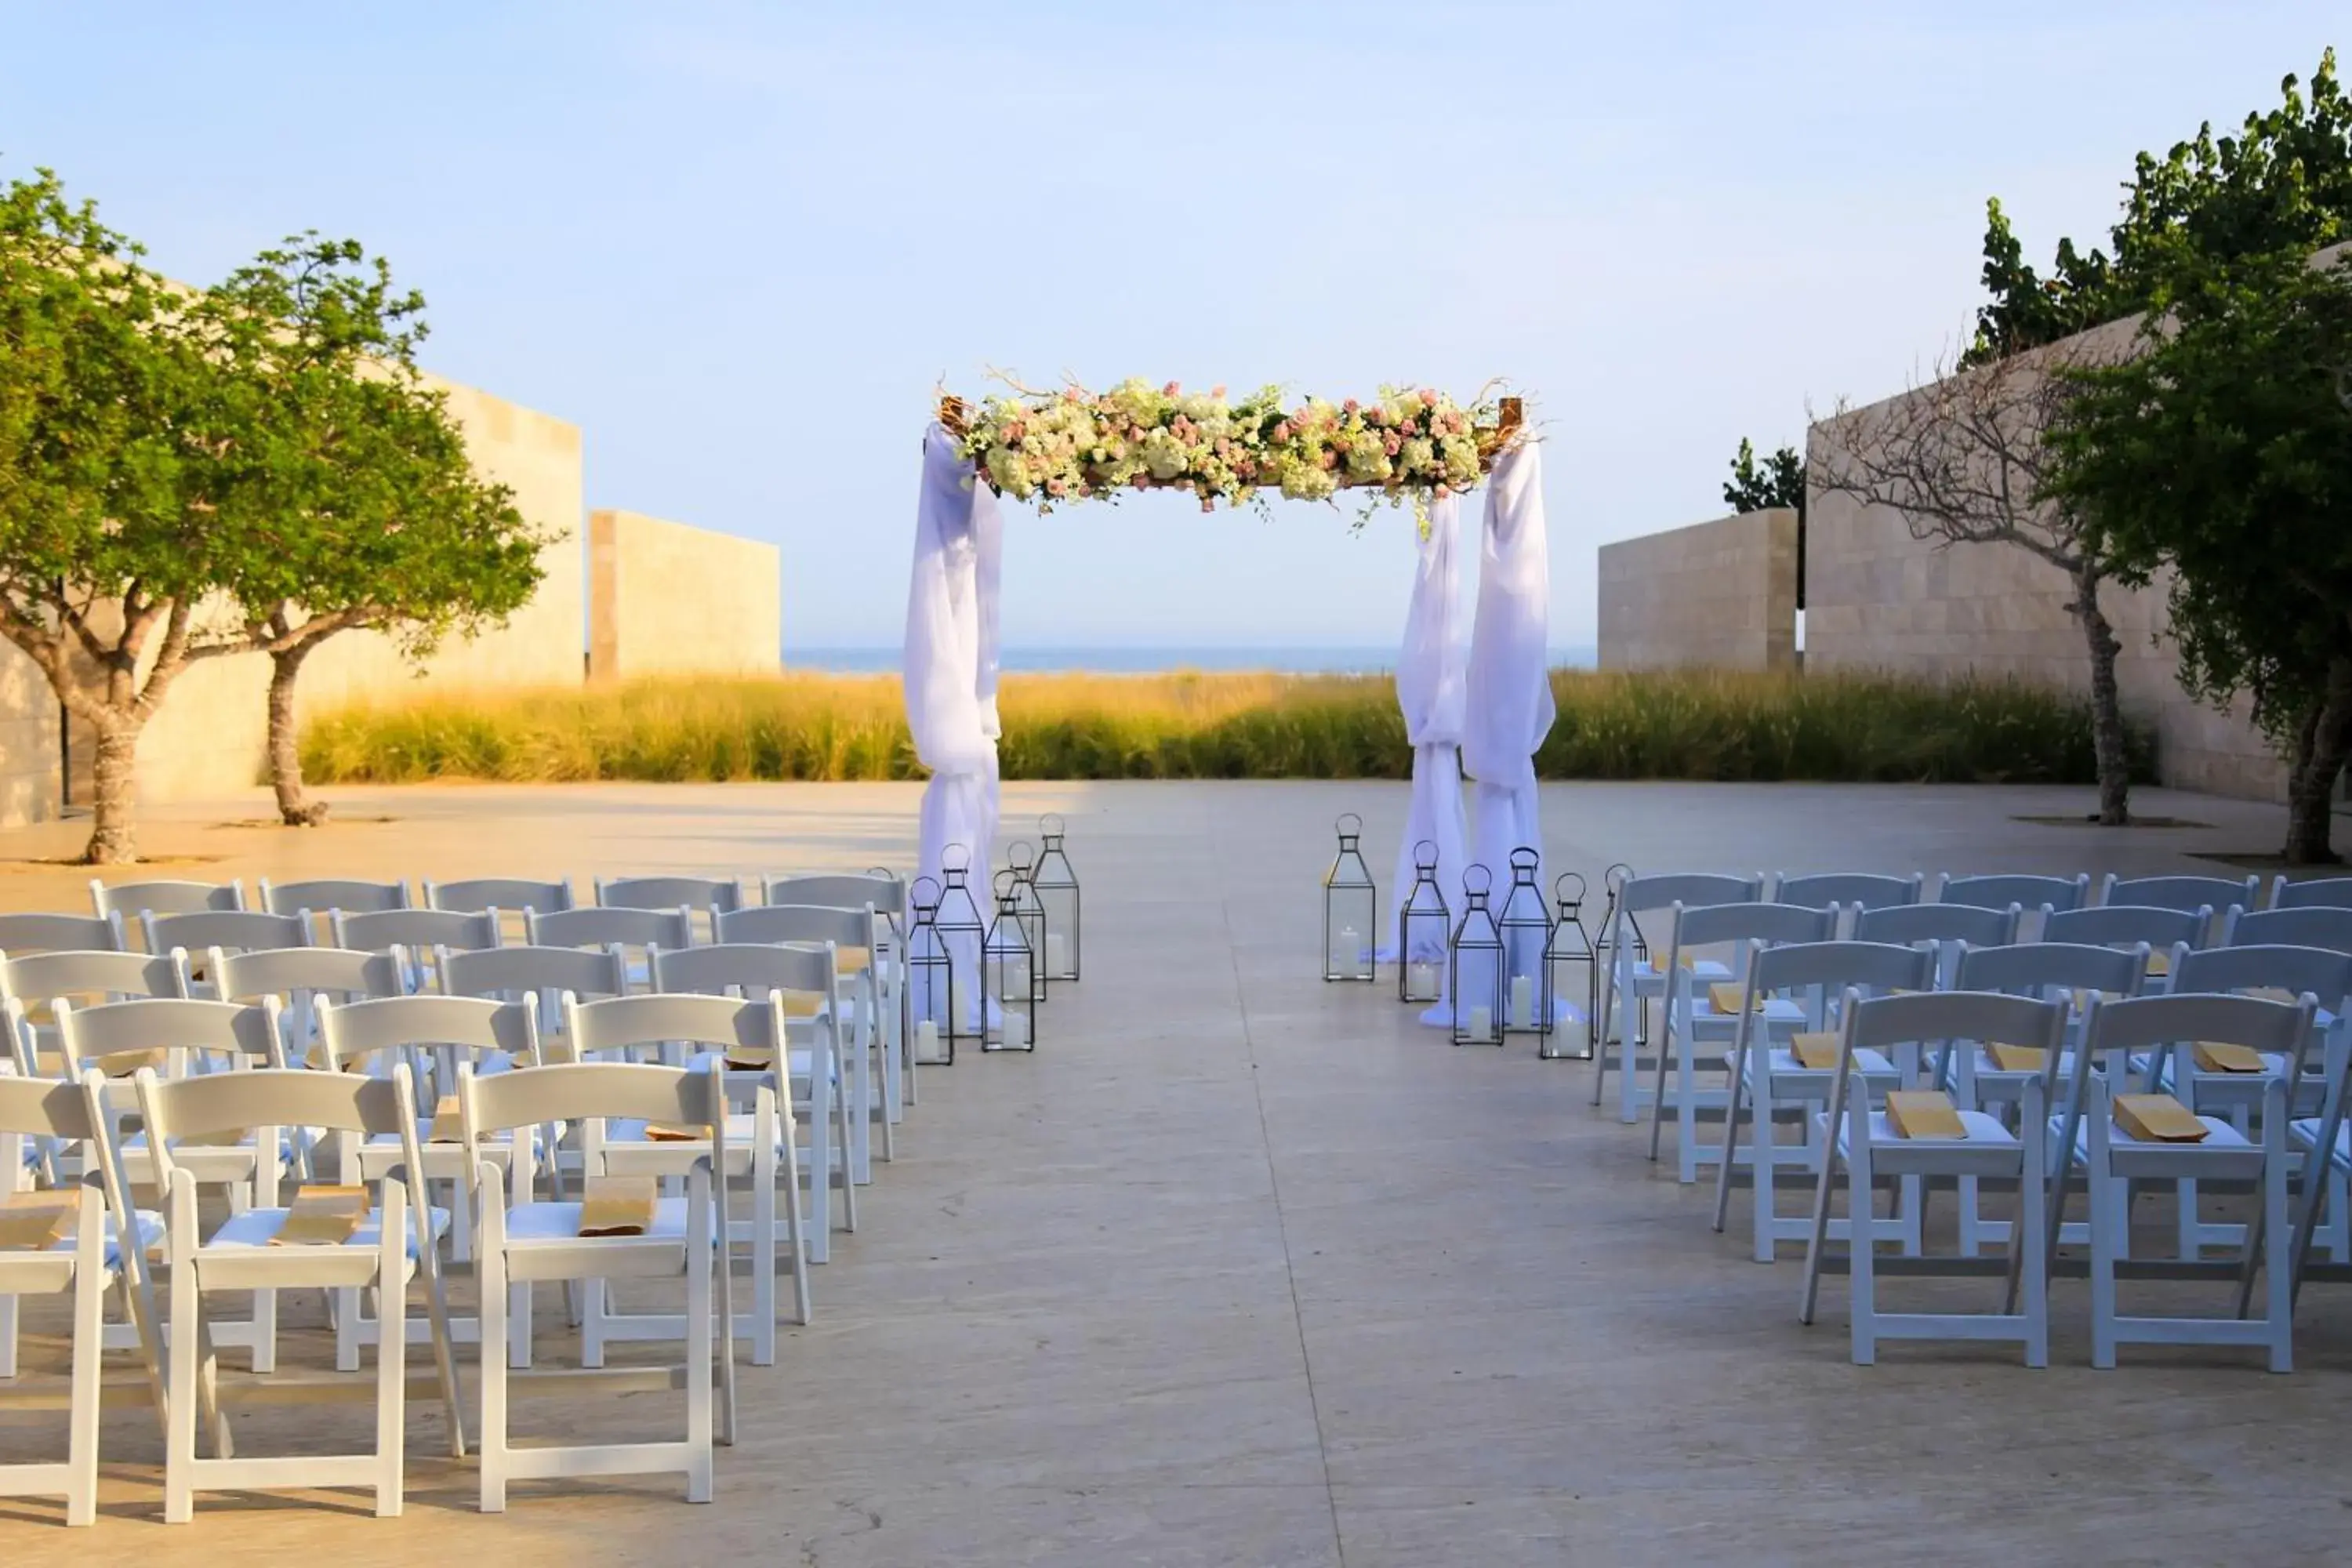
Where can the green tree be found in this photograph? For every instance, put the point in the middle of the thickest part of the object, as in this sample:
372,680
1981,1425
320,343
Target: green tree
372,515
2282,183
120,443
2223,452
1778,481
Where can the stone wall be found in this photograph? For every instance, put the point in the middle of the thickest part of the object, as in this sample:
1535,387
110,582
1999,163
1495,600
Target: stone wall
1720,593
664,598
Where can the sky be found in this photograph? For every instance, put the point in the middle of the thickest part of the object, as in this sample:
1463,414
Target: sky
739,245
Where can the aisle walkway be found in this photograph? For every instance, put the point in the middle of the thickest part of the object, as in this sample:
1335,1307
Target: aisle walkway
1245,1270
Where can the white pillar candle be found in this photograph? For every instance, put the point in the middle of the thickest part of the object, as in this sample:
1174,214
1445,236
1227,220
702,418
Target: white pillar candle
1523,1002
1016,1028
1574,1036
1422,978
1058,955
1482,1024
927,1040
1017,984
1348,951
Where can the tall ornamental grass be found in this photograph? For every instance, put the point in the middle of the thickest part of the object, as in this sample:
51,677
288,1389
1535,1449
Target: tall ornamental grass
1701,725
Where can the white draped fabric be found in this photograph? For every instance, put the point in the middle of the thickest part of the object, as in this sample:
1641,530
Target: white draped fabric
1509,687
949,666
1430,691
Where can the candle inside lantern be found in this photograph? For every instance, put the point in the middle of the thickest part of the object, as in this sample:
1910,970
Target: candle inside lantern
1016,1029
1057,954
1575,1035
1482,1024
1523,1002
1350,952
1017,987
1422,978
927,1041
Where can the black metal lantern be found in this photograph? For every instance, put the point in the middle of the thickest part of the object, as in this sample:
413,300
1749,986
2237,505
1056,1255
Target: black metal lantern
1574,977
963,932
1057,890
1423,927
1614,934
1009,976
1351,908
931,990
1525,922
1475,965
1020,857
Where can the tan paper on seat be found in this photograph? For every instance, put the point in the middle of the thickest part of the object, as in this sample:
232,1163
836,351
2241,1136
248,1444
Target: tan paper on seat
2274,993
750,1059
2159,963
1818,1051
803,1004
664,1132
2017,1059
1725,997
2157,1119
123,1064
1924,1114
36,1221
322,1216
853,960
2220,1056
448,1127
617,1206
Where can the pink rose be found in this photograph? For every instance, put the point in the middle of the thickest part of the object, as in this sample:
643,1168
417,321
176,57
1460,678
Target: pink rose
1014,431
1170,390
1429,397
1053,486
1348,407
1140,480
1282,430
1217,394
1375,414
1330,458
1390,442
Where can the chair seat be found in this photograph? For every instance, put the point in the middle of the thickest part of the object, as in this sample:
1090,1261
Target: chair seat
1984,1130
802,1063
1778,1011
2303,1133
257,1227
2219,1135
1785,1065
540,1225
150,1227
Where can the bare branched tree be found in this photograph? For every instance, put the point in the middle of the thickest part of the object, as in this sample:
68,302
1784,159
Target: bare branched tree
1960,458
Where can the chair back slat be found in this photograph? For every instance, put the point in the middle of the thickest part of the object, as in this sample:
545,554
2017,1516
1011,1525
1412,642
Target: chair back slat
45,1107
2121,925
232,931
888,895
1940,923
603,927
2303,925
629,1023
1866,890
25,932
354,1030
107,977
1879,1023
2295,970
271,1097
325,893
1999,890
2140,1022
2321,892
505,893
136,901
418,931
2181,892
2031,968
1694,889
1715,924
754,968
575,1091
284,972
720,893
798,922
510,974
243,1033
1867,967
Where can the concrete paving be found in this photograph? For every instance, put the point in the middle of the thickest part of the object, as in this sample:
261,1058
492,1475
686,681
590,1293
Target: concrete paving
1244,1269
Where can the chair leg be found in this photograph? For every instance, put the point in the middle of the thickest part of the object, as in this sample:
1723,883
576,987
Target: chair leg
592,1322
2103,1271
180,1452
89,1325
1764,1161
700,1365
1819,1238
8,1336
391,1394
1735,1096
2029,1256
1668,1040
1862,1251
2278,1251
763,1255
491,1436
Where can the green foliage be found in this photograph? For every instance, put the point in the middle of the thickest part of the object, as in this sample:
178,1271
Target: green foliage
2282,183
2225,452
1778,481
1697,725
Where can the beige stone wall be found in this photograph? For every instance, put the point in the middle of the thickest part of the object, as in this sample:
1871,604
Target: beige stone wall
207,737
1721,595
1877,597
664,598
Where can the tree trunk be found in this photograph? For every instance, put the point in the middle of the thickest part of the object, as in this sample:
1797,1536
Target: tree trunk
2108,743
285,747
2321,746
115,778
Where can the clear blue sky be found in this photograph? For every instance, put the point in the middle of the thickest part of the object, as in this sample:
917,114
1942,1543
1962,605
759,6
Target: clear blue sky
737,244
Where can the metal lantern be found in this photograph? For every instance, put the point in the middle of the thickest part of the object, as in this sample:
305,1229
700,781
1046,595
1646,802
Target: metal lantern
1020,857
1351,907
930,995
1010,978
1423,927
1057,890
1614,931
1525,922
1574,977
963,932
1475,965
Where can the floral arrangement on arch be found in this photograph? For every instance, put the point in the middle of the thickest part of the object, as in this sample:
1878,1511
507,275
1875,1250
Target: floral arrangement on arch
1408,444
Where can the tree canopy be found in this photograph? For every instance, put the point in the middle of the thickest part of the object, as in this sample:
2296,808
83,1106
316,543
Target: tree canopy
2284,183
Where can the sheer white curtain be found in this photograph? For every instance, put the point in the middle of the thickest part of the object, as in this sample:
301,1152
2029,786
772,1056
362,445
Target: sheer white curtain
950,662
1430,691
1510,707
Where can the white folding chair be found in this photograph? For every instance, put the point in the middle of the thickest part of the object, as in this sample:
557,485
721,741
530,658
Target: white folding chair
734,1035
1696,1032
1771,1078
2320,892
1865,1145
431,1035
328,893
130,903
89,1260
301,978
2052,895
1628,983
416,935
856,936
2157,930
31,933
2228,895
887,895
510,896
2111,1158
394,1244
1844,890
710,896
637,932
524,1240
230,931
2297,925
192,1039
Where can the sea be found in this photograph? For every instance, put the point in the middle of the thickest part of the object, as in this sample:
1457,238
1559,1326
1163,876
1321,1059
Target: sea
1141,660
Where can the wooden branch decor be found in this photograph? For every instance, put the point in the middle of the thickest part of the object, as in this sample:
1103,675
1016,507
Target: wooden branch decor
1075,445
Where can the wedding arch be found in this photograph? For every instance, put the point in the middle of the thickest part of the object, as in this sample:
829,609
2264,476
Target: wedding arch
1484,715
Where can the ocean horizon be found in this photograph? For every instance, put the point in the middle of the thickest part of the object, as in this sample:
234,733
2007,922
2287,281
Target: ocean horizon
1328,659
